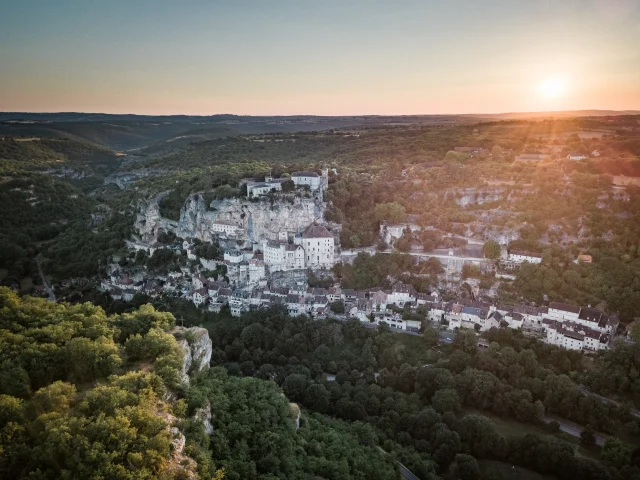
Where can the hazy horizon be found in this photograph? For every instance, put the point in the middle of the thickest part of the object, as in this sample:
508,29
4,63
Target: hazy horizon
331,58
540,112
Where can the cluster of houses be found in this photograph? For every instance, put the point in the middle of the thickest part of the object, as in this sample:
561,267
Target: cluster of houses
567,326
563,325
246,287
302,300
314,248
125,285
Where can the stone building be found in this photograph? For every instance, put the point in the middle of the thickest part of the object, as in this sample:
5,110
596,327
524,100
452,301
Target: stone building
319,247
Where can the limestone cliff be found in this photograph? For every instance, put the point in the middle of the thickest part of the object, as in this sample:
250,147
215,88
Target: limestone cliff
478,196
180,465
204,415
259,220
197,348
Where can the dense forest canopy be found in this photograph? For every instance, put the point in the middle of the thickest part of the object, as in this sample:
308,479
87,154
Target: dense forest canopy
84,395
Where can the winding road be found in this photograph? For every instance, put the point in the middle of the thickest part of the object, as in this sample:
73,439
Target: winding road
441,256
573,429
634,411
404,471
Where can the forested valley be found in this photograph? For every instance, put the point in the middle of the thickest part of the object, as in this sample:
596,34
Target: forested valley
94,390
89,395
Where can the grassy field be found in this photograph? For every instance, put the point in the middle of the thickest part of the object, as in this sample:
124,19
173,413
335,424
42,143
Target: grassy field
504,471
508,427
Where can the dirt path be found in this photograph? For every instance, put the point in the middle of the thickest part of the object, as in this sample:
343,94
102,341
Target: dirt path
52,295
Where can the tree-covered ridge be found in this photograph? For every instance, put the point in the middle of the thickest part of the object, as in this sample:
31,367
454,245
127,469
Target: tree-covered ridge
33,154
85,395
255,435
73,401
36,209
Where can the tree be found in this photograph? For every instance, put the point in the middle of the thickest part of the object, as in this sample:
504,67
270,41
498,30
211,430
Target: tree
491,249
337,307
317,397
288,186
553,426
404,243
446,400
294,387
446,444
479,436
588,436
429,335
465,467
615,453
390,212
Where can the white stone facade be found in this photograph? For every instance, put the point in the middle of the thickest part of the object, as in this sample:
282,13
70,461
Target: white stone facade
518,256
310,179
319,247
314,249
574,336
226,228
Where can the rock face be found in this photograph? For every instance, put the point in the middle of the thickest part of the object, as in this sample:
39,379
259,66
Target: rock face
178,440
205,416
149,221
179,465
296,413
259,220
478,196
197,348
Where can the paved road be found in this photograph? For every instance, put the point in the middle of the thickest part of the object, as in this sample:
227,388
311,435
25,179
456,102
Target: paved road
441,256
404,471
634,411
52,295
573,429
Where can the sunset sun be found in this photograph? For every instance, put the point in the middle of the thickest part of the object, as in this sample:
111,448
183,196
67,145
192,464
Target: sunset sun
553,87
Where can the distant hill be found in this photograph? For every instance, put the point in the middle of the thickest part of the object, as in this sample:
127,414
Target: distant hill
42,153
117,135
562,114
156,133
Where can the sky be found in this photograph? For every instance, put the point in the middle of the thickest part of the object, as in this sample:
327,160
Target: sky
322,57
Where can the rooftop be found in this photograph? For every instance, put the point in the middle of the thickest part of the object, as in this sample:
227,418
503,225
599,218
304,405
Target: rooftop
590,314
304,174
316,231
565,307
524,253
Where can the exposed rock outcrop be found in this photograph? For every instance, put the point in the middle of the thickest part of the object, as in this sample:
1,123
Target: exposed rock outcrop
296,413
205,416
179,465
478,196
259,220
197,348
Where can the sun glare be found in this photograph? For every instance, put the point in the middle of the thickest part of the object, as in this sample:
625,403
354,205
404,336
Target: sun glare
553,87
